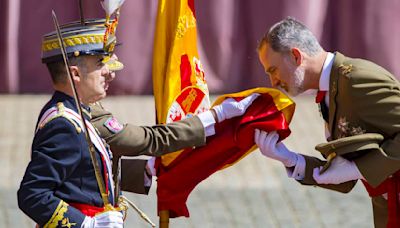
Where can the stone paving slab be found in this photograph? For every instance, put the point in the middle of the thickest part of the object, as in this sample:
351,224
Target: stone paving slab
253,193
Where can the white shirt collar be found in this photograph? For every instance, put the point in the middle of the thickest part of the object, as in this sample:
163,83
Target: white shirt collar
326,72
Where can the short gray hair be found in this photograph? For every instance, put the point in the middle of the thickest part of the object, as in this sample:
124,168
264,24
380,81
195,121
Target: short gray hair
58,72
290,33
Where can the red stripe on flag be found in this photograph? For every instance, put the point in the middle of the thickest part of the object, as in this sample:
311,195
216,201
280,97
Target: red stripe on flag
186,72
191,6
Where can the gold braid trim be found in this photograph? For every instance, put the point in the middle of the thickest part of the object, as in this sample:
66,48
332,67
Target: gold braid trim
60,113
49,45
58,216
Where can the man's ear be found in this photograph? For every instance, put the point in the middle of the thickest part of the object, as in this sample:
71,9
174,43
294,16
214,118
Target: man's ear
297,56
75,73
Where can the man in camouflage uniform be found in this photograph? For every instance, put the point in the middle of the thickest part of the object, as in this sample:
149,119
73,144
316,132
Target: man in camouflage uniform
360,102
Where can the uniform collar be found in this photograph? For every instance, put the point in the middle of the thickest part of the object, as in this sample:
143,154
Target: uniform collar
69,102
326,71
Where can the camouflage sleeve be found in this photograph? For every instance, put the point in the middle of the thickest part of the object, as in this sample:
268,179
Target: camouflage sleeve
131,140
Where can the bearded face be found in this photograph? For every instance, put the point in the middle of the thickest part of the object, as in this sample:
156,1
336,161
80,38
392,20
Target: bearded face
295,77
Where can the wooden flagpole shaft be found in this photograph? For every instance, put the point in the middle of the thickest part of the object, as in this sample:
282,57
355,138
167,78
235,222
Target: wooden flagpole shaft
164,219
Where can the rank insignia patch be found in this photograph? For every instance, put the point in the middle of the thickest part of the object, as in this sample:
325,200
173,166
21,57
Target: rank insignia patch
113,125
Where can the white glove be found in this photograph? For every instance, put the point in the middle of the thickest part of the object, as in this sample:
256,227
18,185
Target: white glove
341,170
109,219
267,142
231,108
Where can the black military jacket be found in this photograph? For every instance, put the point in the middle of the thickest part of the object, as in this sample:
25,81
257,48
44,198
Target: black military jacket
60,172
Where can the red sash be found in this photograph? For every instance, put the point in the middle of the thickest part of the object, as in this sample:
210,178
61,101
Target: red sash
86,209
391,186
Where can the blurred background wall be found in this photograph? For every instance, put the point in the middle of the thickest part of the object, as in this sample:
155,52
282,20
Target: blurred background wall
228,32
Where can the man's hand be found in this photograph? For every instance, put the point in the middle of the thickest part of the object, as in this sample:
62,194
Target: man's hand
267,142
341,170
231,108
109,219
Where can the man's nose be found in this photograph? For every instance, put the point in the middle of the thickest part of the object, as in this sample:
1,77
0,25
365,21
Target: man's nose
111,75
105,72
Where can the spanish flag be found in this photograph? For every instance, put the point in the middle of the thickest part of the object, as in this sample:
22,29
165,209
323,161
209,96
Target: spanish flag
234,139
181,91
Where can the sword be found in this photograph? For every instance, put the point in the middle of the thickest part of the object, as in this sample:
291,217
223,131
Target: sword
92,152
81,12
140,212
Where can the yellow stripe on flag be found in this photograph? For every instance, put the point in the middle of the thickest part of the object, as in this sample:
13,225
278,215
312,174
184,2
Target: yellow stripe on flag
282,102
180,89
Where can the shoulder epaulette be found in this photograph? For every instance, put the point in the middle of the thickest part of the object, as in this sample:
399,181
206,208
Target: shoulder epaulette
54,113
345,70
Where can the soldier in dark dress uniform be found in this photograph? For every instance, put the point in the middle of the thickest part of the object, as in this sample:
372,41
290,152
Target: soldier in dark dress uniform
59,187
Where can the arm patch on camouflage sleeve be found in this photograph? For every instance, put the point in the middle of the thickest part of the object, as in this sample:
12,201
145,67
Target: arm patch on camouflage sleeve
113,125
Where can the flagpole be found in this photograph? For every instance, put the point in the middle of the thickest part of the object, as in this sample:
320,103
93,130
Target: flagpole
164,219
163,215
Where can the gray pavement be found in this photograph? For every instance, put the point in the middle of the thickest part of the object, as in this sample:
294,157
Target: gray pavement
253,193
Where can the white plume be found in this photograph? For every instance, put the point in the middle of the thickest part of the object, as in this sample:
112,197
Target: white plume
110,6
